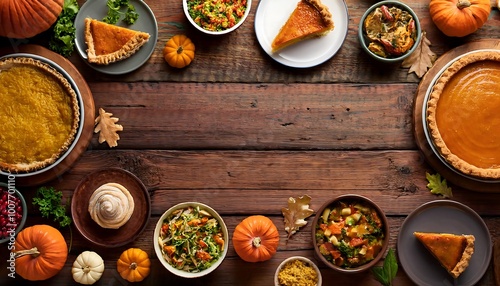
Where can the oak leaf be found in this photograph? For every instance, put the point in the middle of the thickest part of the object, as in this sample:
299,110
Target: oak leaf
296,213
438,186
421,59
106,125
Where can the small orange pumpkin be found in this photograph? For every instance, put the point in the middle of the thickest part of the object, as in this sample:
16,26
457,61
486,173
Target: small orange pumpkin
459,18
26,18
179,51
133,265
40,252
256,238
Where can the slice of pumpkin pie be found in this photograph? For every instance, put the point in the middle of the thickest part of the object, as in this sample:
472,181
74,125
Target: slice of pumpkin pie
309,19
451,250
107,43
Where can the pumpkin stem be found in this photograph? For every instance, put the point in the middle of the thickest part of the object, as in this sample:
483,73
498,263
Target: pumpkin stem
461,4
180,50
86,269
256,242
33,252
133,265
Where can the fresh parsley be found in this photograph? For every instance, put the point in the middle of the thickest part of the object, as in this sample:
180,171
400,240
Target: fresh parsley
49,204
62,40
114,12
386,273
438,186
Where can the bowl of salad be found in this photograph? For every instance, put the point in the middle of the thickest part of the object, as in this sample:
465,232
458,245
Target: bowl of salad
350,233
191,239
216,17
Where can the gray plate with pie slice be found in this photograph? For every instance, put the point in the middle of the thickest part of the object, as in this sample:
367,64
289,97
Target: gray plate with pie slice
146,22
445,216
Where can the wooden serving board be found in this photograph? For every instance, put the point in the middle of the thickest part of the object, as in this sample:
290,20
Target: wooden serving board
89,114
420,138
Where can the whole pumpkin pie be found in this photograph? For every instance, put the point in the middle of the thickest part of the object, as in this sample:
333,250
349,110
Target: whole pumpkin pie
309,19
463,114
39,114
451,250
110,43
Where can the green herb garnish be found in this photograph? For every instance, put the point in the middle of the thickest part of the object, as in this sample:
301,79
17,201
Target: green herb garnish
438,186
114,13
386,273
62,40
49,204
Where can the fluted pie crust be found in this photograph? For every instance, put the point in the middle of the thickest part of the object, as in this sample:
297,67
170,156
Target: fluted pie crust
39,112
108,43
463,115
451,250
310,19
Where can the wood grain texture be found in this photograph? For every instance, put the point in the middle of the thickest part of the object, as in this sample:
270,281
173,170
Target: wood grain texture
242,133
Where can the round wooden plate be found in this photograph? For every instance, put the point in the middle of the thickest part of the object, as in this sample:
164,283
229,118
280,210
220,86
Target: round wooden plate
89,114
103,236
432,159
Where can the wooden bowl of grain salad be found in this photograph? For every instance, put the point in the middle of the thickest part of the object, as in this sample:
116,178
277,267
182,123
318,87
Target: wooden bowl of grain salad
297,270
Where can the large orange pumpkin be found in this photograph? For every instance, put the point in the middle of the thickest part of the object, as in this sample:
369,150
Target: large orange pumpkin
40,252
26,18
459,18
256,239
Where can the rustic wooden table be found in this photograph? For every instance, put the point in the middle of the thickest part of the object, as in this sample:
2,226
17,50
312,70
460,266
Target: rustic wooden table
242,133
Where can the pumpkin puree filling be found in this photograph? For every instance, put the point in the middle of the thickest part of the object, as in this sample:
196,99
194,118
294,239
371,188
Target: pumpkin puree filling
37,114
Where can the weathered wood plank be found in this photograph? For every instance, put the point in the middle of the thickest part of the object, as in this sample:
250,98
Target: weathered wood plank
237,57
259,116
253,182
233,271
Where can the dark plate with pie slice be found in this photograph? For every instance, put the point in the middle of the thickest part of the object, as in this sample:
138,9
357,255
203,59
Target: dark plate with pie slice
146,22
444,216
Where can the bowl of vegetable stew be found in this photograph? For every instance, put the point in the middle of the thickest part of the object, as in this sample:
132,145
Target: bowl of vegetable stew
350,233
216,17
191,239
389,31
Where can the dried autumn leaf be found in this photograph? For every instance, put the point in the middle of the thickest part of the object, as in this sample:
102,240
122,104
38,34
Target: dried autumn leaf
421,59
106,124
296,213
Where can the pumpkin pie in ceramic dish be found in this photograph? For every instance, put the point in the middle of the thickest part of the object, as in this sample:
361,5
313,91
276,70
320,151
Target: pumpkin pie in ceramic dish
463,115
39,113
310,19
107,43
452,251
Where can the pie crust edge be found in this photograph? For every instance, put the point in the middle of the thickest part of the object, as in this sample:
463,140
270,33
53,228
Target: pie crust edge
454,160
37,165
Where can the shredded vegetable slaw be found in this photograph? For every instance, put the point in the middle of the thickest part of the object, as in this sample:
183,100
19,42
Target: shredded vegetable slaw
191,239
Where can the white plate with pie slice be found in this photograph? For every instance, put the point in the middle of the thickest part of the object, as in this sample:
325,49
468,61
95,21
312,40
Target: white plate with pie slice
445,216
272,14
146,22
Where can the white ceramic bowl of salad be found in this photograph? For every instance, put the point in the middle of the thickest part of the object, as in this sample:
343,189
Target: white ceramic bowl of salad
199,229
200,15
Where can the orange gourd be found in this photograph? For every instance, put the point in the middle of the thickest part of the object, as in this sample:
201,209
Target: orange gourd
40,252
179,51
459,18
133,265
21,19
256,239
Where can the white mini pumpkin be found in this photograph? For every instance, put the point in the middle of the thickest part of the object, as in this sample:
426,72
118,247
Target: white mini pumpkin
87,268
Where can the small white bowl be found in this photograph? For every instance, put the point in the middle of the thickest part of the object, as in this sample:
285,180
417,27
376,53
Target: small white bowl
159,252
301,258
226,31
